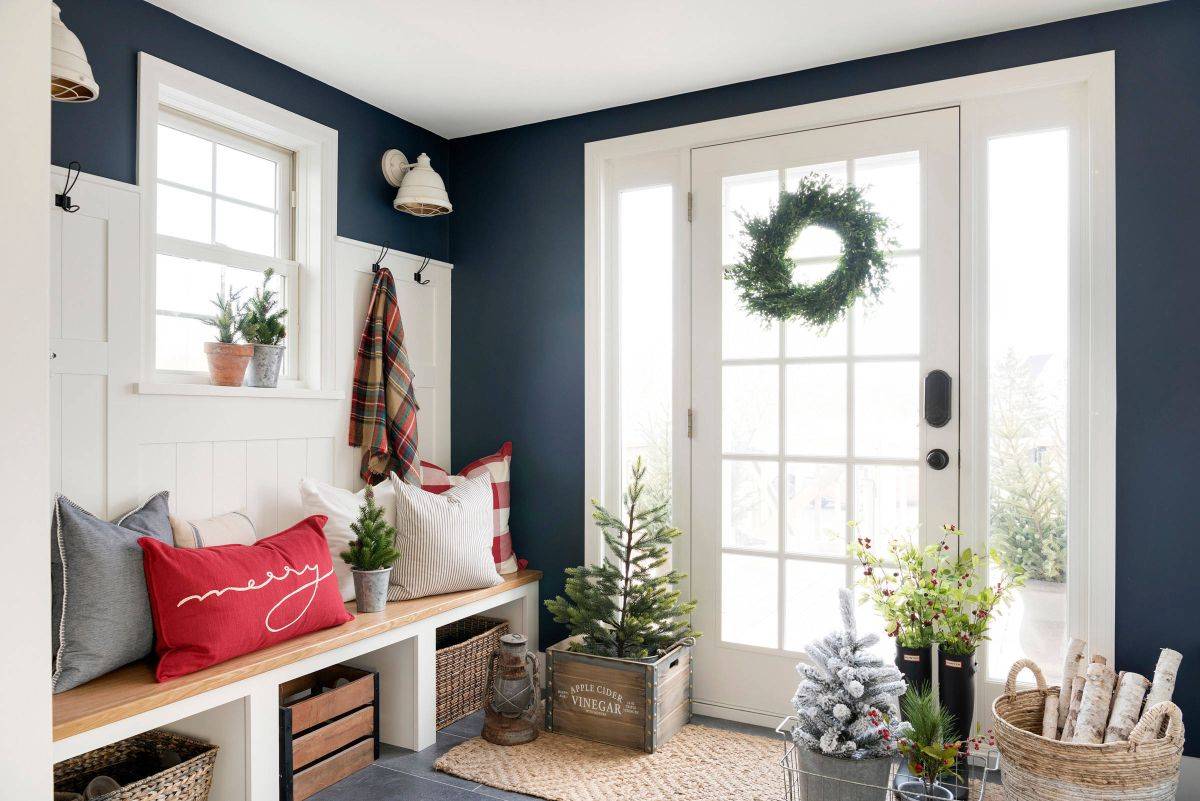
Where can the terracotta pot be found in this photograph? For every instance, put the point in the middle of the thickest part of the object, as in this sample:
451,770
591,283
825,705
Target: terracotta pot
227,362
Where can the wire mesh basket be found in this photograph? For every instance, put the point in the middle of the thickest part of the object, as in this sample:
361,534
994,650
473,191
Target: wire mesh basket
804,782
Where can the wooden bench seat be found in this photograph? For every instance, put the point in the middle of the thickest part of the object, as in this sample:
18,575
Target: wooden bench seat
133,690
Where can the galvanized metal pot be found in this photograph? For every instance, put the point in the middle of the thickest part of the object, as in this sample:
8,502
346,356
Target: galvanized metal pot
264,366
826,777
371,588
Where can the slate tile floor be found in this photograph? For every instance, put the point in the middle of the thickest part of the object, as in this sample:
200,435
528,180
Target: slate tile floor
403,775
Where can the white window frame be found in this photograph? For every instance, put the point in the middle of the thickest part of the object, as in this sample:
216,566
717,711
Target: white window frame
1093,291
171,94
281,263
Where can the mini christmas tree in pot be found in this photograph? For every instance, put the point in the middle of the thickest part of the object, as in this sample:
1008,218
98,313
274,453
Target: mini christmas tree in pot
371,555
624,676
847,719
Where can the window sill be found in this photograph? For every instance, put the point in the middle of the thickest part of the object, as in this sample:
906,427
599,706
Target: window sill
209,390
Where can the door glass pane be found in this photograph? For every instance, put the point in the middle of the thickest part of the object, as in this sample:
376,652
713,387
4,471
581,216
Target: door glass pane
815,501
750,408
892,184
812,601
803,339
750,508
887,502
816,409
646,331
745,336
752,194
750,600
886,421
891,324
1028,371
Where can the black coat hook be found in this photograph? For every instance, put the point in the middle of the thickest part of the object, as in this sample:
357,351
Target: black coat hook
382,255
417,274
63,201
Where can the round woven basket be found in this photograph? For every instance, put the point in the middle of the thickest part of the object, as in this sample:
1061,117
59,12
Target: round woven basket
1036,768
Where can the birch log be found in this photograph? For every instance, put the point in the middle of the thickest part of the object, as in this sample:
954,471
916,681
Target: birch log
1127,708
1164,677
1077,685
1050,718
1093,709
1072,667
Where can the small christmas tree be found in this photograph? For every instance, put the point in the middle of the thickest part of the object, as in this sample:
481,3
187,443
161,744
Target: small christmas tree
846,701
623,607
373,545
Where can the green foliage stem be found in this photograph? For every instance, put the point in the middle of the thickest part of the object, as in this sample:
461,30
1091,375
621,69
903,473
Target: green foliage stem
229,317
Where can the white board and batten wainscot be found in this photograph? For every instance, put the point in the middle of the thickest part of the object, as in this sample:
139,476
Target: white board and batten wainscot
118,436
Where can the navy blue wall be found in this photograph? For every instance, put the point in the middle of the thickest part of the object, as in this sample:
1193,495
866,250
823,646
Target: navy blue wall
103,135
517,246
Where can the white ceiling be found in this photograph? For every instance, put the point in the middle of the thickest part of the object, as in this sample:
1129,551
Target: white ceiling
460,67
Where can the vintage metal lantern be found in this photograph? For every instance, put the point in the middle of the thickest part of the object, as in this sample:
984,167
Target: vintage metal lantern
513,689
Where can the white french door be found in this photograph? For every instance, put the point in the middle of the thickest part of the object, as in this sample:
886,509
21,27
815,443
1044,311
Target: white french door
798,432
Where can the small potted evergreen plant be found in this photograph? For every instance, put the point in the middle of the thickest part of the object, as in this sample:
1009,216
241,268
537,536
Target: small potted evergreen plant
227,359
263,328
927,742
847,720
371,555
627,623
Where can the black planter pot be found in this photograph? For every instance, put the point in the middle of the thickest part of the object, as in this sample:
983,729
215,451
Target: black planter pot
956,690
916,664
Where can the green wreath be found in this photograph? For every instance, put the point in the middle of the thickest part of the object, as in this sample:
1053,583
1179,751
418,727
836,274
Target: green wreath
764,275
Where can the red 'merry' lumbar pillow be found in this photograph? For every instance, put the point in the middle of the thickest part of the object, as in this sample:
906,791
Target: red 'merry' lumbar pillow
212,604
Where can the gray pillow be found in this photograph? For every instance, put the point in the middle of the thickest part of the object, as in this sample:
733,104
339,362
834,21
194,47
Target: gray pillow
100,611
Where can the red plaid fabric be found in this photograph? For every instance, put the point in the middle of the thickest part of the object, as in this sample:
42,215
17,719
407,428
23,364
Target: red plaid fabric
498,468
383,406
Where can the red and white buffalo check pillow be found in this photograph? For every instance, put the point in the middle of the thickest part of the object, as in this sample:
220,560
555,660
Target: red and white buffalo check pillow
497,467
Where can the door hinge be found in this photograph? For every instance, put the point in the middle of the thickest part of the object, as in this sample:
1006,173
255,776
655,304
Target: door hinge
689,206
293,198
691,423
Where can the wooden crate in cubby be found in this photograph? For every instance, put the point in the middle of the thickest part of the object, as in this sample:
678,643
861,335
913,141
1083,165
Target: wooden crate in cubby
328,729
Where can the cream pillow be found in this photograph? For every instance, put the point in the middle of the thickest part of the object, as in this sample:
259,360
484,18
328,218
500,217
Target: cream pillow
341,507
231,528
445,540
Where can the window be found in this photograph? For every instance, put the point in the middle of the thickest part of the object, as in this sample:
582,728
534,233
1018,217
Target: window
232,186
223,217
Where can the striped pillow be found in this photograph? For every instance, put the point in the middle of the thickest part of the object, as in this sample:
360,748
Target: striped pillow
498,467
445,540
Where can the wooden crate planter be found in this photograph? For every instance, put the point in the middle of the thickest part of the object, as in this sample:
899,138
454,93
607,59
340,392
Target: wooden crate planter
326,732
622,702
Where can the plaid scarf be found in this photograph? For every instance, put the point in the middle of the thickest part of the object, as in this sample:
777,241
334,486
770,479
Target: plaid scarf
383,406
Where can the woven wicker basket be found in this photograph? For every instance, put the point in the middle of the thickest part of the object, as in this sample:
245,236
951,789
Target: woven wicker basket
135,763
1036,768
464,649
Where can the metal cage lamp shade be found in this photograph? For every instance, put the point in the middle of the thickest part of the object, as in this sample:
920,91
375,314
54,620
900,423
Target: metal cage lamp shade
421,191
71,79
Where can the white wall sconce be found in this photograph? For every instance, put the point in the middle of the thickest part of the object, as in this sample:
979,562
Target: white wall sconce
71,78
421,191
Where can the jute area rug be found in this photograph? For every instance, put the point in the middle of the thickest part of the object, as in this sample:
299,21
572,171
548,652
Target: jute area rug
698,764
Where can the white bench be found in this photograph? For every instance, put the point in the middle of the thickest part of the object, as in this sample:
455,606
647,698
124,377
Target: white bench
236,704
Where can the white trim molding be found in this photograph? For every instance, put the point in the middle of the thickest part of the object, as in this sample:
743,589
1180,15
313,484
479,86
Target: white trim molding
315,146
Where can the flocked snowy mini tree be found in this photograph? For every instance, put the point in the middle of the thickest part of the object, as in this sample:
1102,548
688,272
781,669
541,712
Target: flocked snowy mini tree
847,699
